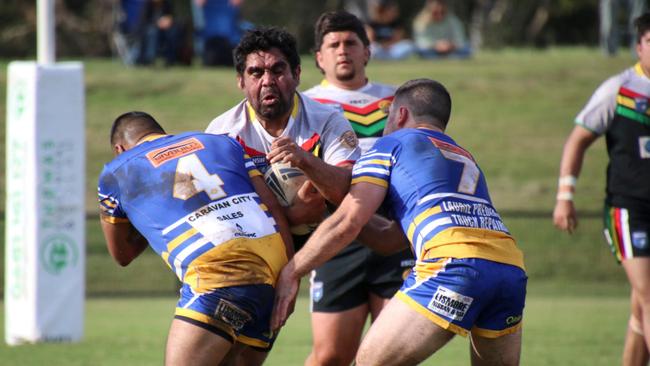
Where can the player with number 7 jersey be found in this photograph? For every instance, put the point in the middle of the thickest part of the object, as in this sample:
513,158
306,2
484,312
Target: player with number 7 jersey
439,195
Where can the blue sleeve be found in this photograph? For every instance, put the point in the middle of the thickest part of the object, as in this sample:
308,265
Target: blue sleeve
108,192
375,166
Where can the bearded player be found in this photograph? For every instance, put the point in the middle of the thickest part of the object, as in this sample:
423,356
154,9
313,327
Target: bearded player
357,282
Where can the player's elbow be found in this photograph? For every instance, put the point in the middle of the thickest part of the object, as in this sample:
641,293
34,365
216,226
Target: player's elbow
121,256
123,261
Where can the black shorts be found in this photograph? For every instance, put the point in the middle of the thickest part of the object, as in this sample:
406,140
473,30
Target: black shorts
346,280
626,231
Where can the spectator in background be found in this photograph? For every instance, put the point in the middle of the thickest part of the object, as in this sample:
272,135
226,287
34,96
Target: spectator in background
217,30
439,33
358,8
610,29
147,29
386,31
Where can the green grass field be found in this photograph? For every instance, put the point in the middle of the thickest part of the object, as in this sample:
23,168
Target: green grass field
512,110
558,330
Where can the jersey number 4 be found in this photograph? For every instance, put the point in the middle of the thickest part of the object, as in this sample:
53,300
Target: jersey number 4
192,178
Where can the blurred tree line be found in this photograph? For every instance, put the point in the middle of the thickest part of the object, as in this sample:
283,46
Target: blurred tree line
84,26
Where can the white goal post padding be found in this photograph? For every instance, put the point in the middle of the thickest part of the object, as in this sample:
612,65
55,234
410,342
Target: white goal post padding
45,211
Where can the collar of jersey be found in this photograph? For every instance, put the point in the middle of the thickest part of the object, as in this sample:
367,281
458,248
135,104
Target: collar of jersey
296,107
326,84
639,70
153,136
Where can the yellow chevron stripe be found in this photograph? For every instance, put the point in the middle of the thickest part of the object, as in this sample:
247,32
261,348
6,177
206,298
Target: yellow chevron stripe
369,119
628,102
419,218
165,257
180,239
108,203
378,162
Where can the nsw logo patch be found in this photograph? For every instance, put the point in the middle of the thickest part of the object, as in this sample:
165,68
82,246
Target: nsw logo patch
644,147
640,239
450,304
316,291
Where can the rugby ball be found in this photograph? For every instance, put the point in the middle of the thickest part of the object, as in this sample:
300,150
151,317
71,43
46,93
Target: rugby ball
285,182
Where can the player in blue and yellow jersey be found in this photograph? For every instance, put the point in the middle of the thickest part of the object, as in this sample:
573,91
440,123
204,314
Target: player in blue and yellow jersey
469,274
619,111
199,202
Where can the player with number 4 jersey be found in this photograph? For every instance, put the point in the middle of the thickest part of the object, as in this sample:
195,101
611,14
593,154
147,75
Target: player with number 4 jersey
199,202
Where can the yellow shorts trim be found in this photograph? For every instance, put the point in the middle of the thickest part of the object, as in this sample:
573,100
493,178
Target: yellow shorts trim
442,323
489,333
254,342
205,319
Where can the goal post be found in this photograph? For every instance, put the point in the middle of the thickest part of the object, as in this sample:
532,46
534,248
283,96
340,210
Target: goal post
45,191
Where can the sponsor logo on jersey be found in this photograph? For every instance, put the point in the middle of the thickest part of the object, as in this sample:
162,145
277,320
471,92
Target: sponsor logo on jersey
450,304
359,101
513,319
640,239
164,154
241,233
644,147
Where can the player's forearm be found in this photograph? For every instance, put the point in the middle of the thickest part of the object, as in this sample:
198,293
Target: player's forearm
332,235
331,181
572,158
383,236
124,242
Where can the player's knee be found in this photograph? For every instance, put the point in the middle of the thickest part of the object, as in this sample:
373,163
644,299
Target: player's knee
635,325
642,293
332,357
366,357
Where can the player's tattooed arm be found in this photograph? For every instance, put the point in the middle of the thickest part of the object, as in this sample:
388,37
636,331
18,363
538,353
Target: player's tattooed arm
123,241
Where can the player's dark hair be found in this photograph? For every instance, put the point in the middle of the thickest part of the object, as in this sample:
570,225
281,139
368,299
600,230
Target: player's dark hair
132,126
642,25
426,99
337,21
263,39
